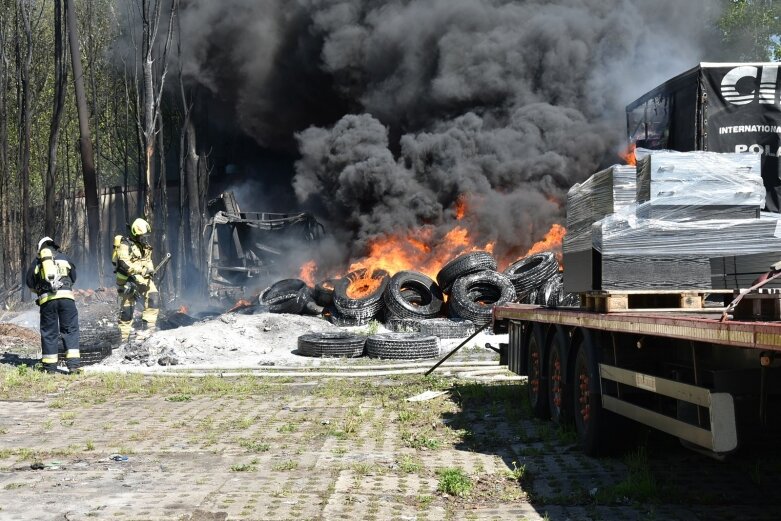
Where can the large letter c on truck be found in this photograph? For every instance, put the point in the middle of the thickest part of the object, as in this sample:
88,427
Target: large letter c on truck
767,86
729,85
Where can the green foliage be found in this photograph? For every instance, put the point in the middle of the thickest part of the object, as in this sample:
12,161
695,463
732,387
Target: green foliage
640,484
454,481
751,29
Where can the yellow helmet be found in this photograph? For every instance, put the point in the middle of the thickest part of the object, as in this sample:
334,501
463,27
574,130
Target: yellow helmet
140,231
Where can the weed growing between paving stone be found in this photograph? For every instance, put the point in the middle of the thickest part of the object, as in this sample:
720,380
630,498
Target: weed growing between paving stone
640,484
454,482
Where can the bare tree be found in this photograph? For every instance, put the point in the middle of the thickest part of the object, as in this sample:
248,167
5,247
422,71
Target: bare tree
4,166
152,85
85,142
24,58
61,77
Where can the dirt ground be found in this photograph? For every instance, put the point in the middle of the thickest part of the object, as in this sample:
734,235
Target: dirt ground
311,442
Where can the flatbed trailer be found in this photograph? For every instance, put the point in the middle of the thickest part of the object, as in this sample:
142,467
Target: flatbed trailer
713,384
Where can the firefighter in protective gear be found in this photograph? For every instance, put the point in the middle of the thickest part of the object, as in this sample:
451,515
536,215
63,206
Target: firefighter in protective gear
134,270
51,275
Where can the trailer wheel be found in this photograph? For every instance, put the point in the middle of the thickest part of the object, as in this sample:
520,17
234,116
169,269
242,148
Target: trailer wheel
587,401
538,389
558,404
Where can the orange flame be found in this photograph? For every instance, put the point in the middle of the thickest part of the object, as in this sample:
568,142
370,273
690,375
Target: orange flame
364,283
551,242
183,309
307,272
628,155
460,207
417,250
240,304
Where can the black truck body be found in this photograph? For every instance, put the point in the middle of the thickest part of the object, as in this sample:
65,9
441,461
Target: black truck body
718,107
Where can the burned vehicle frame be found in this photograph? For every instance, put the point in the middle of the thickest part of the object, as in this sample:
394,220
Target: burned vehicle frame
243,248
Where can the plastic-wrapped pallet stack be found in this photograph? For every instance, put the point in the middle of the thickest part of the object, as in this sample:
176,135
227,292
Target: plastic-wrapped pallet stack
602,194
692,207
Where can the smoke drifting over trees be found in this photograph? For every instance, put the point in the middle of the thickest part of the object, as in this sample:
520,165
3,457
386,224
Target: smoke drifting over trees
400,107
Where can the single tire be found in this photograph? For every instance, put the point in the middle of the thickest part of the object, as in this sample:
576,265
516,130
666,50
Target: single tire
474,296
412,295
402,346
367,306
285,296
531,272
338,344
463,265
403,325
550,291
447,327
559,400
323,293
338,319
590,418
537,385
89,354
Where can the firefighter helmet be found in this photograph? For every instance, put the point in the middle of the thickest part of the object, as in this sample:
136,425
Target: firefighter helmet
140,231
47,241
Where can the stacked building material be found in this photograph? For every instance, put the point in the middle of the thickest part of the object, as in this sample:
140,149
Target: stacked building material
604,193
740,271
634,253
698,186
692,206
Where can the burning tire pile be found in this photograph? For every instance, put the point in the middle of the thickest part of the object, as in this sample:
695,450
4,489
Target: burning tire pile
416,308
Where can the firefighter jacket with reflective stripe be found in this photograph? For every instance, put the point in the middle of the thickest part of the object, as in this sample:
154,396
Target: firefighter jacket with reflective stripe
37,282
133,258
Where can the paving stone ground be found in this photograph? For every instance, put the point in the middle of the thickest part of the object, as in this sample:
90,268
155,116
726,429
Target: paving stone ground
291,453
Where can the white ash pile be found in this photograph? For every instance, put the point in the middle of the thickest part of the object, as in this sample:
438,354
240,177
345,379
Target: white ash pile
227,340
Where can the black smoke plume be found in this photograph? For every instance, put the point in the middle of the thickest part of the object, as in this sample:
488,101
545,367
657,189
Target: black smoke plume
398,108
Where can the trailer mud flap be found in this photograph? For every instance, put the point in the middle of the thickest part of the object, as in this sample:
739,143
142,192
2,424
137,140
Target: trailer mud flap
722,436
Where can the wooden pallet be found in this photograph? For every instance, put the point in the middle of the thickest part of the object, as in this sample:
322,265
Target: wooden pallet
614,301
765,305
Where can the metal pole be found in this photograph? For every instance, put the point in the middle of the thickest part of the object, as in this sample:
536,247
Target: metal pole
456,349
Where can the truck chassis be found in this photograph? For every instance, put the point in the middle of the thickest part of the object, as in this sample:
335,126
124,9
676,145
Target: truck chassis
712,384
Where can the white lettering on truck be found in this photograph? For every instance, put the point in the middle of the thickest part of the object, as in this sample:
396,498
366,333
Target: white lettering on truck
759,149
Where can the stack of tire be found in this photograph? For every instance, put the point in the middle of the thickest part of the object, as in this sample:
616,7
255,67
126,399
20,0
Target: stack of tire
474,287
412,295
531,274
356,311
551,294
95,343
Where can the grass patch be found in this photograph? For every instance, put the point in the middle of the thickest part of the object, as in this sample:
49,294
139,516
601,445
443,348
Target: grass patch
454,482
285,466
287,427
410,465
640,485
243,467
418,442
179,398
254,445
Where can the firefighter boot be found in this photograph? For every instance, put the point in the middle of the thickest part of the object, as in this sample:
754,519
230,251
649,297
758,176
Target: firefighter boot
47,367
74,365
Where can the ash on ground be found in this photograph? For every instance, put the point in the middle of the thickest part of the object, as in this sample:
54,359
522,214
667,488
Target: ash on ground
229,340
234,341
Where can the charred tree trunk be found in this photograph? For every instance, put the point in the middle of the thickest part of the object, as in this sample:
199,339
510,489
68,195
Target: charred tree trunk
85,144
60,78
5,170
24,58
193,199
